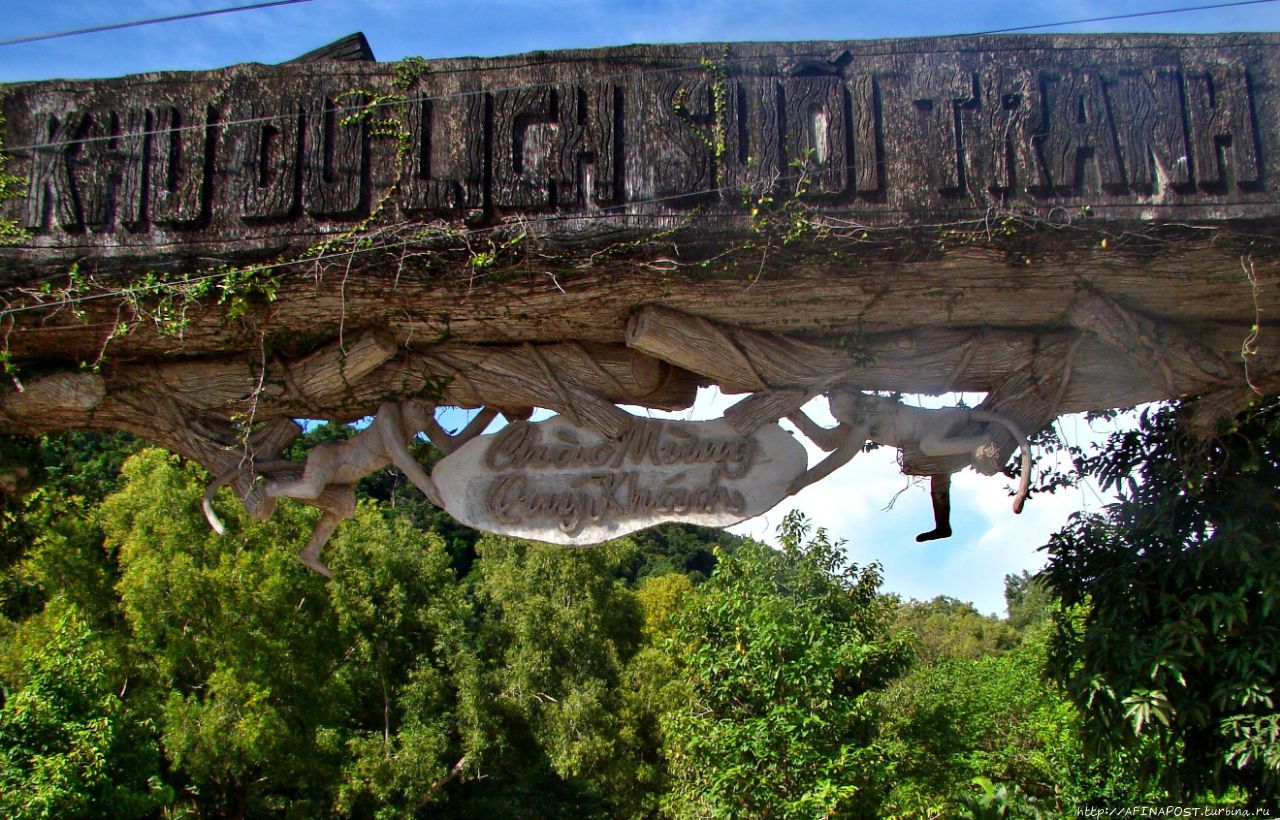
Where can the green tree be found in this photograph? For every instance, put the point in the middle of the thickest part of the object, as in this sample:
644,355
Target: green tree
949,628
781,651
62,555
997,719
558,630
86,464
1028,600
49,539
1172,631
69,744
77,739
683,548
279,692
235,639
534,688
650,686
414,716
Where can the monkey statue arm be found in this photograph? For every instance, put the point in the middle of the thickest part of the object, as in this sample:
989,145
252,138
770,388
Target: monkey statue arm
446,443
343,462
261,467
1024,480
940,498
390,425
843,441
935,441
383,442
331,470
826,439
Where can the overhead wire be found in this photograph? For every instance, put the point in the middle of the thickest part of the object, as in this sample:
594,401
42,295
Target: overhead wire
172,18
614,211
353,108
1125,16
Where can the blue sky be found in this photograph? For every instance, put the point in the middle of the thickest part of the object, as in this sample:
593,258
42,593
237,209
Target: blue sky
447,28
990,541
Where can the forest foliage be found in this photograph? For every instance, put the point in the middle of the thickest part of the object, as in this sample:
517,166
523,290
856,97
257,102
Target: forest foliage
153,668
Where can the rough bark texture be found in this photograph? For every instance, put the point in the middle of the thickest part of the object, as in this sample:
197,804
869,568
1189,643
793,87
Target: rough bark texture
1066,222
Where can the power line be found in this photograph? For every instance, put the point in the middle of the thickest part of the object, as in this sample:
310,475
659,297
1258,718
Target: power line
35,38
614,211
358,108
1123,16
473,231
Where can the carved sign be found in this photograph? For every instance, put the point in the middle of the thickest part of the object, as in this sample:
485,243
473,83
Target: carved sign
551,481
1128,126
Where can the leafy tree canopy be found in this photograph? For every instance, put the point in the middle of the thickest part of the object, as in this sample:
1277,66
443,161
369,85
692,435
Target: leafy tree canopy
1028,599
69,744
1172,632
781,651
948,628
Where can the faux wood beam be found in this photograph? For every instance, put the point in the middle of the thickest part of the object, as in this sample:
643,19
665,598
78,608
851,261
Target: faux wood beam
1065,222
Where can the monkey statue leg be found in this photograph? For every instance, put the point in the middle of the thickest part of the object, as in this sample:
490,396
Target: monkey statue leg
310,555
317,470
339,503
940,495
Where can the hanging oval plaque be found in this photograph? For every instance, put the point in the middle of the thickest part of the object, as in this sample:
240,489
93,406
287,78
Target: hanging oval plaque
552,481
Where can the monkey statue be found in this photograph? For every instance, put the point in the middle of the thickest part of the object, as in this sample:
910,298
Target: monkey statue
331,470
864,417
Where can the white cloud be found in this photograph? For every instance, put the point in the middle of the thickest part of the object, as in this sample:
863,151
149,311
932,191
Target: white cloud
989,541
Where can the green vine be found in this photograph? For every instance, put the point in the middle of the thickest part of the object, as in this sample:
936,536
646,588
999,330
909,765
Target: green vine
785,218
363,113
12,186
167,301
408,70
386,116
779,214
719,104
717,142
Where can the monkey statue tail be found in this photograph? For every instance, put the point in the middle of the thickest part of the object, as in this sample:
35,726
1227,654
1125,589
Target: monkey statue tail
1024,481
